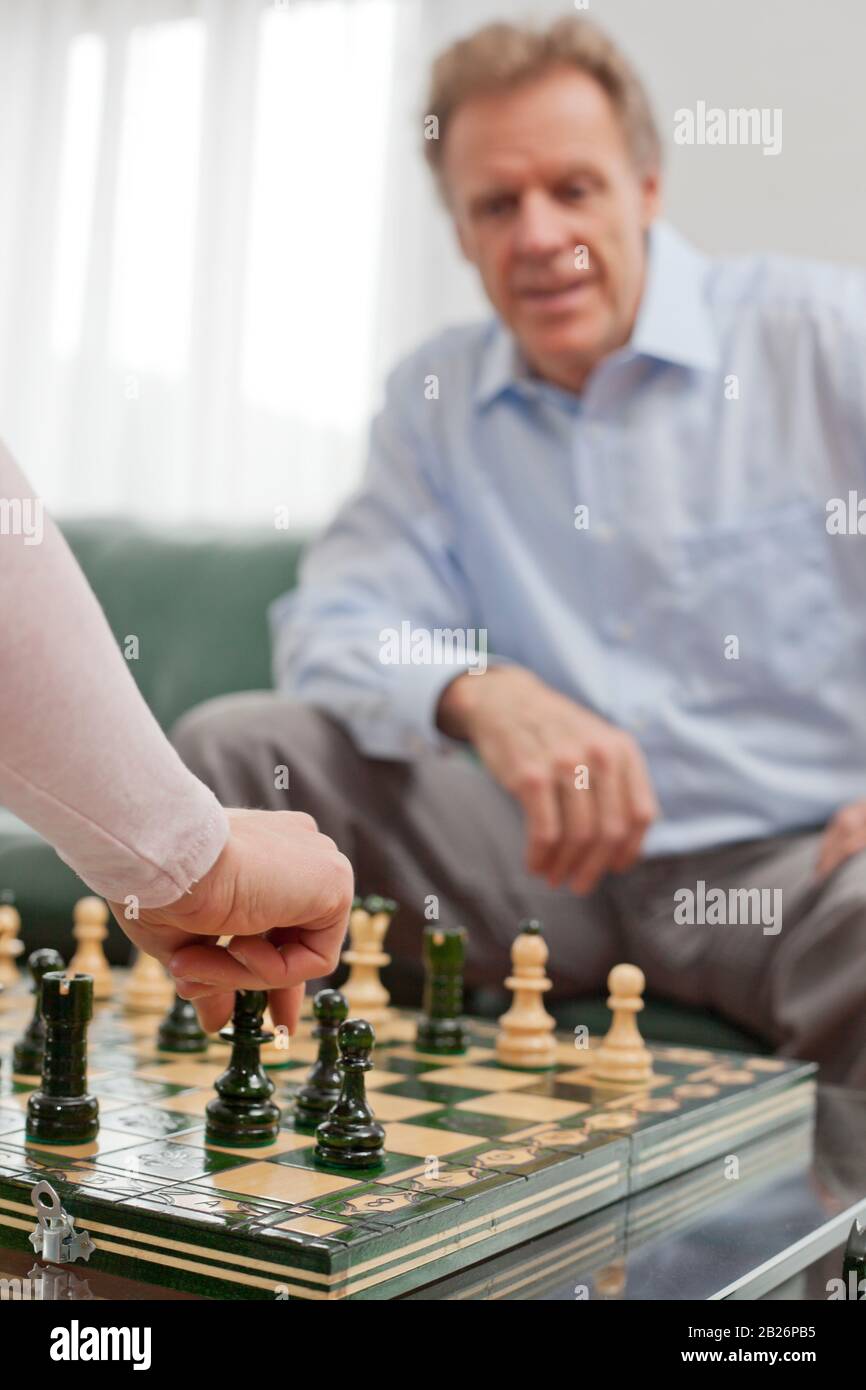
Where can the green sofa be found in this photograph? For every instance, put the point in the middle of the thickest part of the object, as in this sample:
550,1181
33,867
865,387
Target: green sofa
197,602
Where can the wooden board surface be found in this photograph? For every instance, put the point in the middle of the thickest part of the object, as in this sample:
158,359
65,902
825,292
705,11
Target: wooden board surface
479,1158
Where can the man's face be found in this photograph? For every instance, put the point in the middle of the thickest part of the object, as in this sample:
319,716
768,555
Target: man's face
534,175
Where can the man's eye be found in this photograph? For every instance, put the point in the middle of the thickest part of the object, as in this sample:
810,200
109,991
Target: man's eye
497,207
574,192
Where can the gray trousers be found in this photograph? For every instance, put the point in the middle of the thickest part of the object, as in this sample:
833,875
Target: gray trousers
440,836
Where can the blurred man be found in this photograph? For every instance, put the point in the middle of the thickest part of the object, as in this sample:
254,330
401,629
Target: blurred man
592,547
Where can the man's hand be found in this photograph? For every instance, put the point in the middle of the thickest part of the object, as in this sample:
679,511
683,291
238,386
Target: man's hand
533,741
281,890
844,836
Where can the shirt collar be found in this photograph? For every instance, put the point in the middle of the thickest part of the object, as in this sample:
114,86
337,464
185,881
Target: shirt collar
673,320
502,364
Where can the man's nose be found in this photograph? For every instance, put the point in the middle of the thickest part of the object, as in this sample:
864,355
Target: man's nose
540,229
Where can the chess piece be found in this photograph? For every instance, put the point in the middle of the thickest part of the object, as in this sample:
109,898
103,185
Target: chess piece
180,1030
350,1137
10,946
318,1096
28,1051
242,1111
275,1054
364,991
61,1111
525,1038
90,916
149,989
440,1028
623,1058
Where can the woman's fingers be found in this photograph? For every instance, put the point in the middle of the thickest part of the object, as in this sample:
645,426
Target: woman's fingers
215,1008
259,963
206,968
215,1011
285,1006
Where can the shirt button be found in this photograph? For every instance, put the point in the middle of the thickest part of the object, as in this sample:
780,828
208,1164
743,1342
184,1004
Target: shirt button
604,532
625,631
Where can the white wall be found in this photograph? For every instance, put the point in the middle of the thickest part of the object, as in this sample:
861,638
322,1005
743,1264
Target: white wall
804,56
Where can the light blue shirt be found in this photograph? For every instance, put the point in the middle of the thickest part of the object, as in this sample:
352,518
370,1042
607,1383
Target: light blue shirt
699,602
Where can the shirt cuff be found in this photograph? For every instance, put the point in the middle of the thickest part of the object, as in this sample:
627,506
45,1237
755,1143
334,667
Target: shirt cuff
400,723
158,873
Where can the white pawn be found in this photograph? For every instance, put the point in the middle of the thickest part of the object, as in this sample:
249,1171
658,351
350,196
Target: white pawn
10,946
525,1037
365,994
90,916
623,1057
148,988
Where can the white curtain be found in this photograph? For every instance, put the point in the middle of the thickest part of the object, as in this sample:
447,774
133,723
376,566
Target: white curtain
216,235
217,232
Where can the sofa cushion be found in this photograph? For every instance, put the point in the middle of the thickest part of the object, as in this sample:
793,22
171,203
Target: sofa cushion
195,599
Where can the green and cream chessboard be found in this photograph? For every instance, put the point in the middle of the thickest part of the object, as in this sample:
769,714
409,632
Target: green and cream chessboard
479,1158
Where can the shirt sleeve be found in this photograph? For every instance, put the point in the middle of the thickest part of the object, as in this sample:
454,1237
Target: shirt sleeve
82,759
381,620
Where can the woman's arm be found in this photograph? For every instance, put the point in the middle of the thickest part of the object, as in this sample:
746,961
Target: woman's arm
83,761
82,758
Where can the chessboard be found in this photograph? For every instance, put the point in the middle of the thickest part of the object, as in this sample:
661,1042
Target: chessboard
479,1157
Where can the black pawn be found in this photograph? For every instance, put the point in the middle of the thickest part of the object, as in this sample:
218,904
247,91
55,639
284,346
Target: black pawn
28,1051
242,1111
61,1111
318,1096
180,1030
350,1137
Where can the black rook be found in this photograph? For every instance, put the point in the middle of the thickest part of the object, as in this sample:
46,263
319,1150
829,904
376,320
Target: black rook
62,1112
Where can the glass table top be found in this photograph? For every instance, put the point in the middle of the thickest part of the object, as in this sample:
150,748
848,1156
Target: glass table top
736,1228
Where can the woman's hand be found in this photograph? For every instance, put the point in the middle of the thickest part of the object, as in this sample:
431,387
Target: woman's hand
281,890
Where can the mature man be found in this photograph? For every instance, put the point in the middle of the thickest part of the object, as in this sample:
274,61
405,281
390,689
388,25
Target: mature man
617,492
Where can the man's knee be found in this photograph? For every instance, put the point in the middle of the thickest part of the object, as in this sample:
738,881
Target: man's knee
223,724
817,981
846,886
251,746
